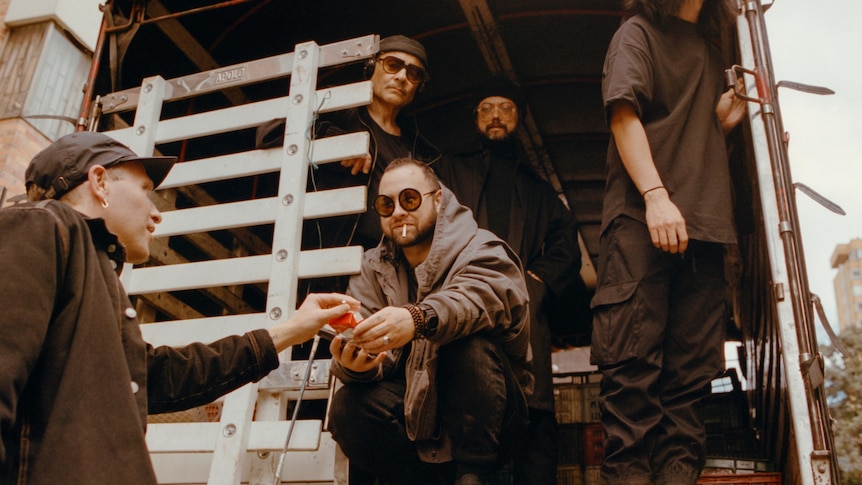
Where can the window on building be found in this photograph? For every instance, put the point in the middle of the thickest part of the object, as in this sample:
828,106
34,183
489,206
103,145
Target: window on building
856,274
857,290
45,73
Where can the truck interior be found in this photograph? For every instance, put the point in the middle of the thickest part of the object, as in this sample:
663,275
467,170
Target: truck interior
553,48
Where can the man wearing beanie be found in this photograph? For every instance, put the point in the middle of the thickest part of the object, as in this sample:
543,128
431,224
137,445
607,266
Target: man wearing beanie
398,72
77,380
508,198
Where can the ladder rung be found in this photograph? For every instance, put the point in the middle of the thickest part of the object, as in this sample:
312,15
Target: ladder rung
244,116
299,466
256,162
350,200
264,436
182,332
244,73
316,263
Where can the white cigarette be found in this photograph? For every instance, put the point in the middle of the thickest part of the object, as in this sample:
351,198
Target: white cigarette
404,230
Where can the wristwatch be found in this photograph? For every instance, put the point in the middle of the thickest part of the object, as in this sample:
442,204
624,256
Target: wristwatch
430,317
424,320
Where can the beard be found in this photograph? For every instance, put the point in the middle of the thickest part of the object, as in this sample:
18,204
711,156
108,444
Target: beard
497,132
424,232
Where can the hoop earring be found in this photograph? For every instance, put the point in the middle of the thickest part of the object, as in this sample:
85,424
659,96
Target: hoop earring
104,203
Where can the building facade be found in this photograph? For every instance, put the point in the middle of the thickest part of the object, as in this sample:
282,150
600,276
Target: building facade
45,55
847,259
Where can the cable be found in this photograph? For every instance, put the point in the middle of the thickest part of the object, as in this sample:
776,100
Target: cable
296,408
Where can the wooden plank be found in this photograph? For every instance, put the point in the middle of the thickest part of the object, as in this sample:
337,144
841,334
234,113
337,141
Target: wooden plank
256,162
245,73
316,263
182,332
200,437
307,467
255,212
244,116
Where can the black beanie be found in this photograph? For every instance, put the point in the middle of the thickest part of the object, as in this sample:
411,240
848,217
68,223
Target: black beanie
404,44
500,86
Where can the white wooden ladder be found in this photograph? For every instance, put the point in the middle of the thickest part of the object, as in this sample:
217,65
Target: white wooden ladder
244,445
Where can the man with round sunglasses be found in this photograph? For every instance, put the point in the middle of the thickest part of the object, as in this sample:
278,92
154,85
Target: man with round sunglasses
507,197
397,73
436,375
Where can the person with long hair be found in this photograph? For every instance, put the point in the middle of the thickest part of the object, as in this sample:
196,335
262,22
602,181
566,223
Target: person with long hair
659,307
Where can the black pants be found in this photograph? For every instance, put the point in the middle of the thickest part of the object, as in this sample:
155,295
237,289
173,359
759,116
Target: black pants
480,408
658,333
536,462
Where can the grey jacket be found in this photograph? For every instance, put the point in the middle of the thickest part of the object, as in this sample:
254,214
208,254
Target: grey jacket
473,281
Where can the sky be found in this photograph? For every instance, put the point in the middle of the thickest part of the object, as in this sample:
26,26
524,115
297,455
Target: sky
818,42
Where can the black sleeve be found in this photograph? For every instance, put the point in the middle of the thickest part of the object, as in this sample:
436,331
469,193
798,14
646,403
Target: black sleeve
197,374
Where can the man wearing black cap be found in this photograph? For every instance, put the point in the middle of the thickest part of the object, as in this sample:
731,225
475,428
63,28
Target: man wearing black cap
397,73
76,379
508,198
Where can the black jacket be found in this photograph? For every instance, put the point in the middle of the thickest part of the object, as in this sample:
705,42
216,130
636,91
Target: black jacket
76,378
363,229
541,230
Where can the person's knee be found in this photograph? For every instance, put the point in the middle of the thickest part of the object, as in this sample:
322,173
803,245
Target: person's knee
473,354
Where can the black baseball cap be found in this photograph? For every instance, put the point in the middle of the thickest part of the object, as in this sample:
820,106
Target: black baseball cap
63,165
401,43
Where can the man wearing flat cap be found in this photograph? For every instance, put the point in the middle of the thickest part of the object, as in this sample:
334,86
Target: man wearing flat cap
76,378
508,198
397,72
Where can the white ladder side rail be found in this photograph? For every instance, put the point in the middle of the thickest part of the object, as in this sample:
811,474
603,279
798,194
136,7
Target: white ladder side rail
143,140
232,454
281,297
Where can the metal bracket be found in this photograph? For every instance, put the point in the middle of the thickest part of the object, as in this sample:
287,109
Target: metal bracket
821,467
288,376
833,337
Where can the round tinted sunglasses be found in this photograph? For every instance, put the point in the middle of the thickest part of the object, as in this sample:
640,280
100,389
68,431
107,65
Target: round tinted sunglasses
409,200
394,65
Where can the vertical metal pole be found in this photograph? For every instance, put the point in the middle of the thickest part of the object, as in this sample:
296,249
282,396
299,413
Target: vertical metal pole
89,87
810,364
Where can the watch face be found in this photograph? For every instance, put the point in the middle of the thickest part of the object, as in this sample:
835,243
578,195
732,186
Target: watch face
430,325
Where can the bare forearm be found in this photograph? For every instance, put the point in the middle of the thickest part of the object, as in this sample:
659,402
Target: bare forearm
633,147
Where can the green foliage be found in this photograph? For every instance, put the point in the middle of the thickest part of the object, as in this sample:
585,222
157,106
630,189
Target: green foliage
844,388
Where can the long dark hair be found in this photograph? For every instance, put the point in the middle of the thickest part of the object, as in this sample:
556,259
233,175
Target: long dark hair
715,15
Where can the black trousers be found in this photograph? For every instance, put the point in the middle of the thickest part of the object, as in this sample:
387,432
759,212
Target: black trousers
480,407
658,333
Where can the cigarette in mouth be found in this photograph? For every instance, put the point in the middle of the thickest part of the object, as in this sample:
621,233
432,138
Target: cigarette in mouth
404,230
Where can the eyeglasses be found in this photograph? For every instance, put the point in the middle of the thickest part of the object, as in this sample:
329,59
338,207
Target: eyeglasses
507,110
394,65
409,200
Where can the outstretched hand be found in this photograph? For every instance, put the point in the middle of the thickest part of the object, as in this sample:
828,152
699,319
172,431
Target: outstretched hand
314,313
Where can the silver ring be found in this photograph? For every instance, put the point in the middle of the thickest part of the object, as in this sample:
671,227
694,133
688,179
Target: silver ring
386,340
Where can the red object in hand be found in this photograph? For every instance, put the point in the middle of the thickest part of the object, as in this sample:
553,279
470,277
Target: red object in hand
344,322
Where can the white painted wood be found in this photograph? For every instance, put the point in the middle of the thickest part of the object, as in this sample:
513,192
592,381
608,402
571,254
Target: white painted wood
246,116
350,200
257,162
232,437
316,263
201,437
183,332
142,134
300,467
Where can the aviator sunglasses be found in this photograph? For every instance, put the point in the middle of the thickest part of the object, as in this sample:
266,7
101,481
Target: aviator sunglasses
409,199
394,65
